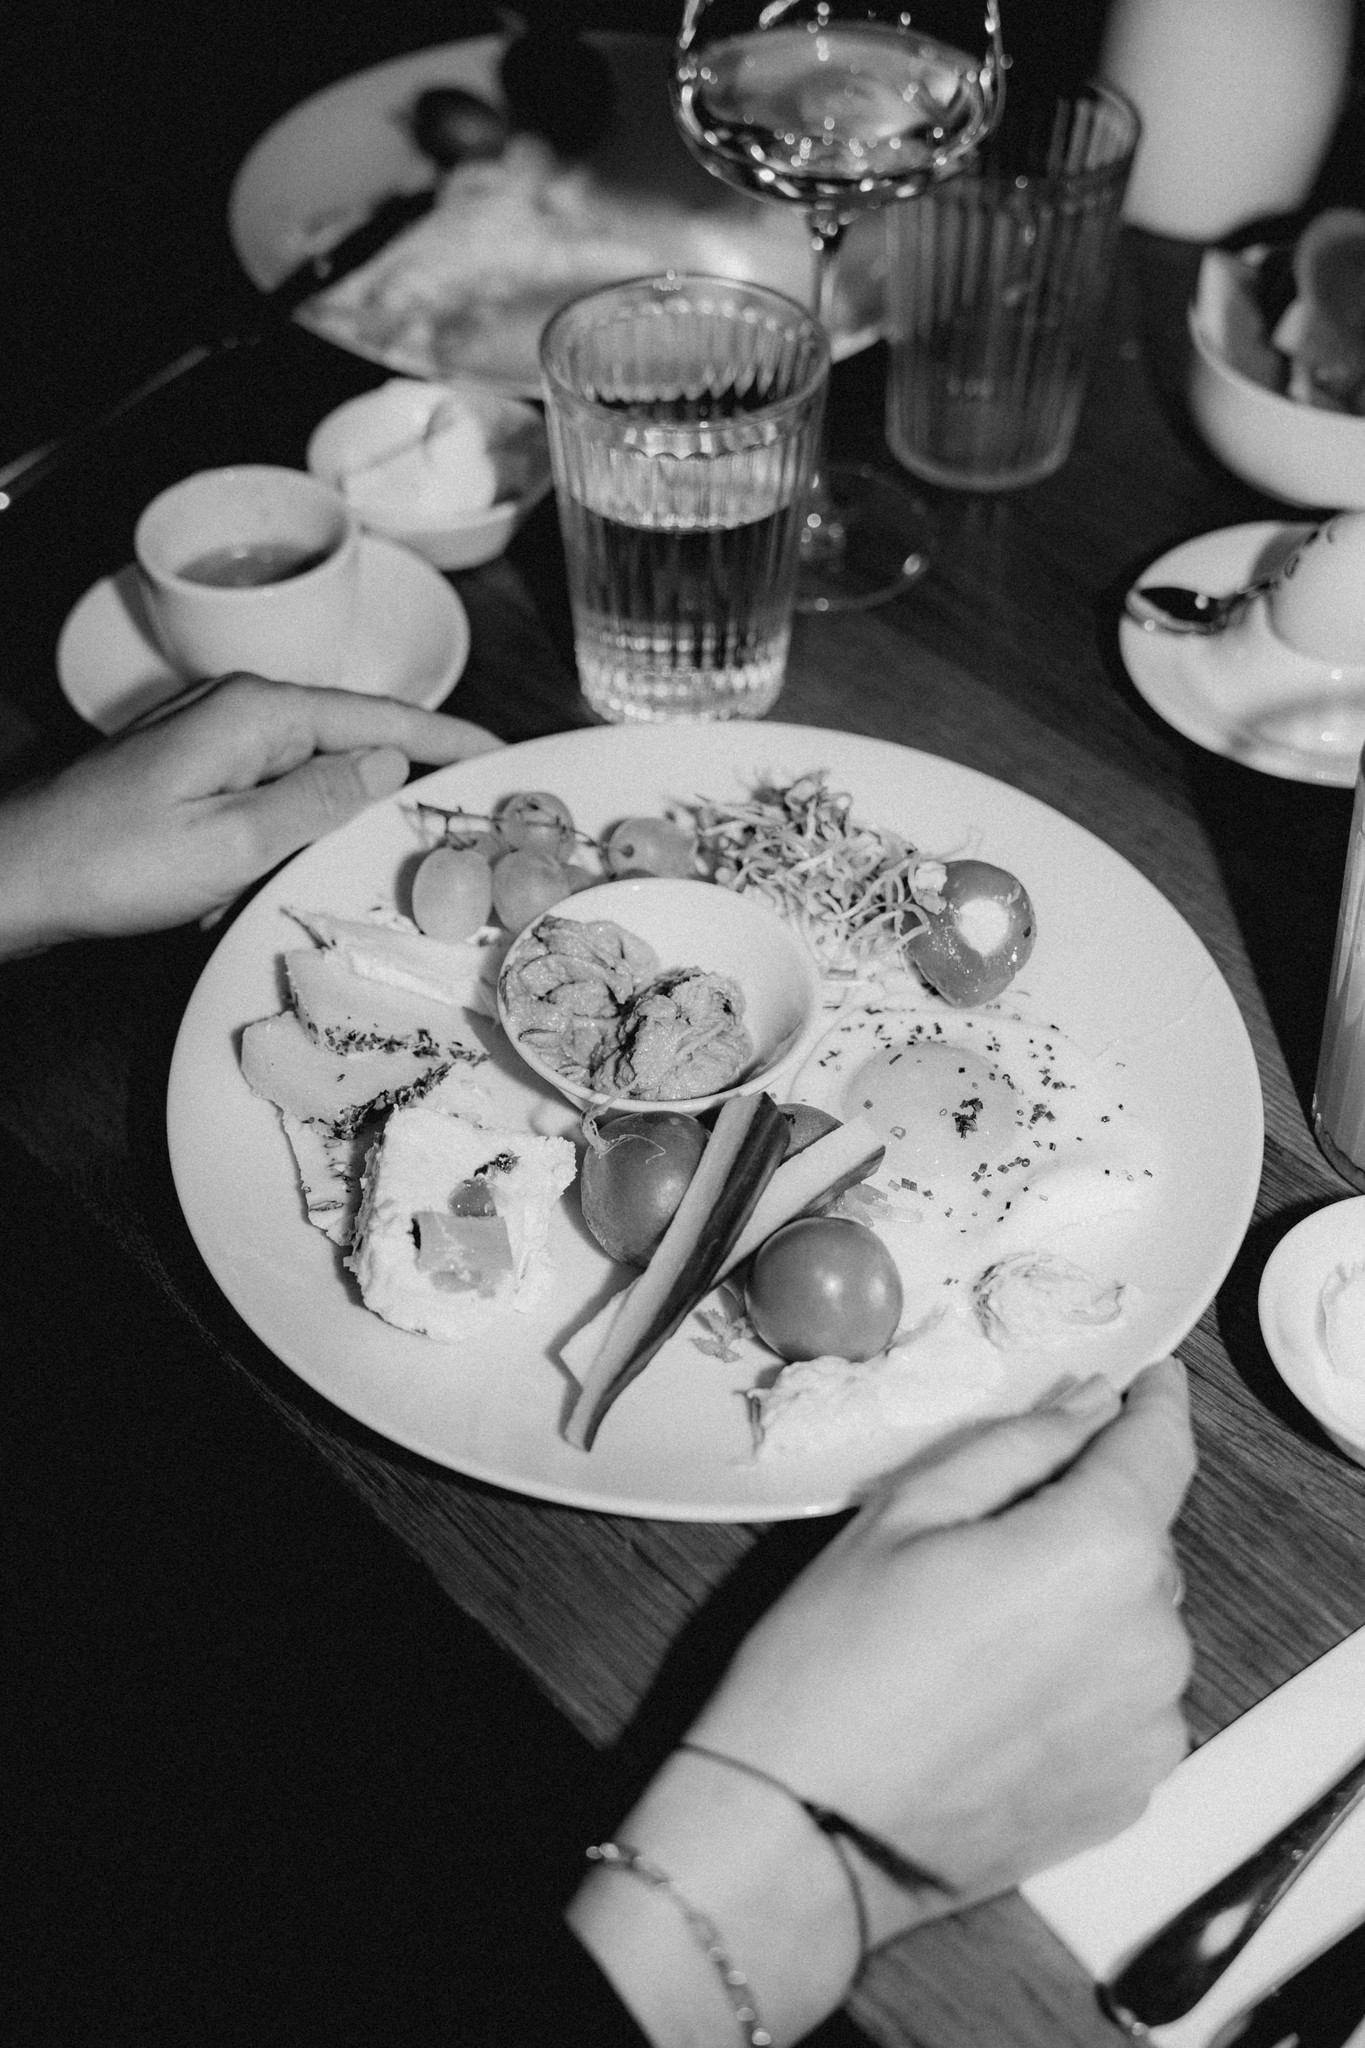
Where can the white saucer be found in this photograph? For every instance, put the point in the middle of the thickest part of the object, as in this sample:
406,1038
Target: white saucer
1244,693
1290,1307
412,641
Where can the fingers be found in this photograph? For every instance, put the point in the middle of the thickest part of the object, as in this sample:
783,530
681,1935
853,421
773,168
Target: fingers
1144,1460
982,1472
248,727
339,721
279,817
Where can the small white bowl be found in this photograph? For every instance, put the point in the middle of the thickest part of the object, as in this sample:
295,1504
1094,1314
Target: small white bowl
1297,452
698,924
1290,1308
458,512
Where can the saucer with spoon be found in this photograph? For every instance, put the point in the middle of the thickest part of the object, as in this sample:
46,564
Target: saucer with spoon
1251,642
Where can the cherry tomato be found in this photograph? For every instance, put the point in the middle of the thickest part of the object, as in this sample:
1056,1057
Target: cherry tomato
452,893
650,846
525,883
824,1286
535,821
973,947
634,1174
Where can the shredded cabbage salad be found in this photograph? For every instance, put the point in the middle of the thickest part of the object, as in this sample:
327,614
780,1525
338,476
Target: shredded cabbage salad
851,888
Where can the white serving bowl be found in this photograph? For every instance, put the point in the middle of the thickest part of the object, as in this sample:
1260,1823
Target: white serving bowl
1290,1308
454,496
1296,452
699,924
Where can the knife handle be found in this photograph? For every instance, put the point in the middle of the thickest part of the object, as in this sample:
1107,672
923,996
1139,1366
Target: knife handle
80,440
1173,1971
247,318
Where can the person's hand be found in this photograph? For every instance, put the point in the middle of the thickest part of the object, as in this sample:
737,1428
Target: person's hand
988,1686
174,818
983,1669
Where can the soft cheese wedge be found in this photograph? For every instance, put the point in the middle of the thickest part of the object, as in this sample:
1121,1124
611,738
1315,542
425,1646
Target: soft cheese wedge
338,1090
405,958
349,1012
454,1222
331,1164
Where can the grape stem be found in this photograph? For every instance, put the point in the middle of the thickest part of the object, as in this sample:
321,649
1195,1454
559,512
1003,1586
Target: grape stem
457,818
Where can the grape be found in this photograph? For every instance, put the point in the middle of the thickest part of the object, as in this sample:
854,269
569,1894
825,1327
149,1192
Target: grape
525,883
650,846
535,821
452,893
486,844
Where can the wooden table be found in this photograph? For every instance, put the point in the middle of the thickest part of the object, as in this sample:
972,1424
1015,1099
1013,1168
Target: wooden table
1003,659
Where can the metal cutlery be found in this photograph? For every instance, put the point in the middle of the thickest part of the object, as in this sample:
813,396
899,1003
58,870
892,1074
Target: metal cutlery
1170,608
1173,1971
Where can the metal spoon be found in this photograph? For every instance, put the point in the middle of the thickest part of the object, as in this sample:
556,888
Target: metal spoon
1173,1971
1171,608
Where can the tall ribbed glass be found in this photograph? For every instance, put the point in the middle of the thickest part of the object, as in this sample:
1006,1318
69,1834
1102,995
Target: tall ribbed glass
684,417
1339,1090
997,283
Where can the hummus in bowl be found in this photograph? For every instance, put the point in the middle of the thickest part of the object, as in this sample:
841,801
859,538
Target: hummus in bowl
648,990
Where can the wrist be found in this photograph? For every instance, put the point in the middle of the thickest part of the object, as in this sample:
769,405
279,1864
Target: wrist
744,1856
32,871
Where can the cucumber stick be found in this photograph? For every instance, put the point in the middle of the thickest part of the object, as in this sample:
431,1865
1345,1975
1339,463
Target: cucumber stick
743,1152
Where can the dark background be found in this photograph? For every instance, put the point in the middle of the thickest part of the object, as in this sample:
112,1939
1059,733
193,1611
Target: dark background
121,128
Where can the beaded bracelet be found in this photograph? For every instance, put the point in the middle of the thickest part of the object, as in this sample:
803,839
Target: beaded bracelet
620,1856
838,1829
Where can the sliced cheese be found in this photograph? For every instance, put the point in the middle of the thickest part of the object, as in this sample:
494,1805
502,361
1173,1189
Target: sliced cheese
405,958
339,1090
330,1163
329,1173
348,1012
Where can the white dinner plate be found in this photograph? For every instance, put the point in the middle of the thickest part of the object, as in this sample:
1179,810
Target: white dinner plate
411,641
1243,693
321,168
1114,965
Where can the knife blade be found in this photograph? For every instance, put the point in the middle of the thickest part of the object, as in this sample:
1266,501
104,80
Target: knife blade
380,226
252,318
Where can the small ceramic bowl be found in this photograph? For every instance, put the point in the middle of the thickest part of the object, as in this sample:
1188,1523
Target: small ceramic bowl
1296,452
697,924
449,470
1293,1321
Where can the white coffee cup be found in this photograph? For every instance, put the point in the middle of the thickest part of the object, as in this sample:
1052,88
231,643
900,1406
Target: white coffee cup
1317,601
254,568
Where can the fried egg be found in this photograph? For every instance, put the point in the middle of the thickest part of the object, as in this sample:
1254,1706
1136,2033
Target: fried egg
1001,1135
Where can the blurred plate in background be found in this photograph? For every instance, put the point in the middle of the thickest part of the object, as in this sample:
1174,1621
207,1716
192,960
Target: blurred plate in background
467,290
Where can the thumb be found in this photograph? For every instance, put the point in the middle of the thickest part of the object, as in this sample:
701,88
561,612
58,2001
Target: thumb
315,798
984,1469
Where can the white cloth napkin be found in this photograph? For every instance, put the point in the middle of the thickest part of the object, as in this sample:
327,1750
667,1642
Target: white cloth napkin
1223,1802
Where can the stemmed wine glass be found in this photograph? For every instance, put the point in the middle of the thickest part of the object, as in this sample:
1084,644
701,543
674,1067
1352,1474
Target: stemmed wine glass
835,106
